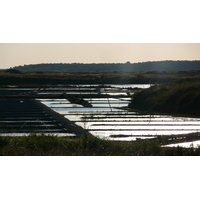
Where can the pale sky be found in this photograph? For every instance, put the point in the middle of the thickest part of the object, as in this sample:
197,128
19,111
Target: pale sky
15,54
106,31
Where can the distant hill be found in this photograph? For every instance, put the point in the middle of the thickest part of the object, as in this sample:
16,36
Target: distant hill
105,67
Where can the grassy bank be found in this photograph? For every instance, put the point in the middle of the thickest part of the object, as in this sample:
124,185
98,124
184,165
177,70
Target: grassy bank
180,98
86,146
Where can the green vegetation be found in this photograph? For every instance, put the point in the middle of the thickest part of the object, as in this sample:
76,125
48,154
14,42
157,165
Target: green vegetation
182,97
13,71
42,79
41,145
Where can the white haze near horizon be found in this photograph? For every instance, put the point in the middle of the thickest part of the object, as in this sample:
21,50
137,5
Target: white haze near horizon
15,54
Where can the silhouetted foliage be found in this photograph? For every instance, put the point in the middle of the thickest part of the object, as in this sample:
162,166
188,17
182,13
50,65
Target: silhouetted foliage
173,98
13,71
107,67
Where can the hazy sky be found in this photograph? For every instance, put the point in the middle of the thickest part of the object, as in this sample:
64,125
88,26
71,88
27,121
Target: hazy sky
14,54
106,31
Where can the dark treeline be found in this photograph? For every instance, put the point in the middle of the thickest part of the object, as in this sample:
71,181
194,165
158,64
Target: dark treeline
105,67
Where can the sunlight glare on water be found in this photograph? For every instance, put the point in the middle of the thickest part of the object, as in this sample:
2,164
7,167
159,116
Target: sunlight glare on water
104,121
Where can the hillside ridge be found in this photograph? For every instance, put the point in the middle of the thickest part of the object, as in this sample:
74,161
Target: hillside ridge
105,67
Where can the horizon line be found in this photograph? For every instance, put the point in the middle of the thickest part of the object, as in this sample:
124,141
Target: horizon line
128,62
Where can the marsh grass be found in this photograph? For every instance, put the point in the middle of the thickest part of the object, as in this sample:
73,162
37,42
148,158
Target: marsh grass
173,98
41,78
46,145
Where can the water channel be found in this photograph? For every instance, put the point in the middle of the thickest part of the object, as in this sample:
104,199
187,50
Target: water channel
107,121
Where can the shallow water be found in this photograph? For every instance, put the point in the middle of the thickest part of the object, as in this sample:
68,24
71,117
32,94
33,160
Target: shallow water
48,134
141,132
131,138
105,122
71,89
63,105
59,93
84,109
115,93
60,104
145,124
117,101
131,85
23,89
101,99
93,126
194,144
25,121
108,105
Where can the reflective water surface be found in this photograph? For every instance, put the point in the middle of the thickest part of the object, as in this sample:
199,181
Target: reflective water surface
194,144
103,120
106,118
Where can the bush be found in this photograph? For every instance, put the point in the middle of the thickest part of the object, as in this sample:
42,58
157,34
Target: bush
171,98
13,71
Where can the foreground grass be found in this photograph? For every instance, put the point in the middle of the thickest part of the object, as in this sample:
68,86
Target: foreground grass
42,145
